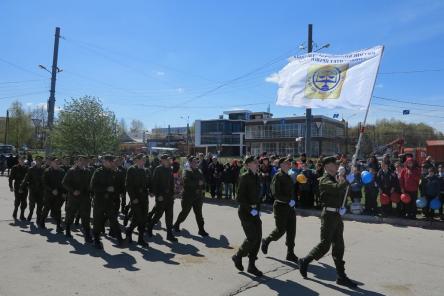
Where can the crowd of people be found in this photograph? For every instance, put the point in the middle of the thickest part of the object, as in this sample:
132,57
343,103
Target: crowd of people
390,181
101,185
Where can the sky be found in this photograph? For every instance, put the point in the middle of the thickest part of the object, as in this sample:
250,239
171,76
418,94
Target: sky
172,62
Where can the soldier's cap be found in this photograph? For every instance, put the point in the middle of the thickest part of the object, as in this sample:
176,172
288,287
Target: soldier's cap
139,156
108,157
164,156
283,159
328,159
249,159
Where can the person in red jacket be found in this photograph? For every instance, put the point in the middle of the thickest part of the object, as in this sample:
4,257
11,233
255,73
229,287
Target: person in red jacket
409,183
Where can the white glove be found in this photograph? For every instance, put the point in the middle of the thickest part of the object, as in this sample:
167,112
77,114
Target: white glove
292,203
254,212
342,211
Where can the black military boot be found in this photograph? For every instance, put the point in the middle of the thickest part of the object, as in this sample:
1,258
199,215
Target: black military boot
202,231
170,236
31,211
291,256
98,244
343,279
264,245
176,227
59,228
237,262
303,265
253,269
125,220
149,230
14,214
88,239
129,235
68,231
22,215
141,241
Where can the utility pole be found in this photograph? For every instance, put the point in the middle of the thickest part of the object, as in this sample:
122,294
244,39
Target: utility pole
308,116
51,101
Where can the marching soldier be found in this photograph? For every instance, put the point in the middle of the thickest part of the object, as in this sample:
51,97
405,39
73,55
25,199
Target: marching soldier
193,184
248,196
137,184
103,185
33,181
78,202
331,189
18,173
283,210
54,193
163,189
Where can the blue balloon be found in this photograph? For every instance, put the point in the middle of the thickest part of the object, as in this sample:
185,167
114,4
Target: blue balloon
435,203
421,202
366,177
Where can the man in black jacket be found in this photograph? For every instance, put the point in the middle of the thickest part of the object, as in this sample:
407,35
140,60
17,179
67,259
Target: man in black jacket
18,173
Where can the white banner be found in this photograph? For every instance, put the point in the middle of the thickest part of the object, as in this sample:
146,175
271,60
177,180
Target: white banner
319,80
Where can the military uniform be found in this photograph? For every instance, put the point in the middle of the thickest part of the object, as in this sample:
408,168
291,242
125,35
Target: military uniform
248,196
137,184
18,173
54,195
331,194
78,201
163,189
284,214
193,188
120,184
103,183
34,182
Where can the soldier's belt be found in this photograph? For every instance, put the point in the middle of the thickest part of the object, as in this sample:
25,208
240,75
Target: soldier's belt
330,209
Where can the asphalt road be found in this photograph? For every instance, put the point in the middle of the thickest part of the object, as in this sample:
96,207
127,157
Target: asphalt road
386,259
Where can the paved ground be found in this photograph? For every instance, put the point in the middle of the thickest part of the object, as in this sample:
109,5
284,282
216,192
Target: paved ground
388,260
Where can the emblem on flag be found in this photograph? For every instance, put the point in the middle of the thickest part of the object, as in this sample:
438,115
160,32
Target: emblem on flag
325,81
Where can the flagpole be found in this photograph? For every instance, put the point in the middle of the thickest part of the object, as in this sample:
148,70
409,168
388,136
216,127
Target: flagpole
361,131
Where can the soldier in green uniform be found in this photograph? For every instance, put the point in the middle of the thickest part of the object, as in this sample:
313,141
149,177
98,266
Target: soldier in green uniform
193,188
283,210
18,173
248,196
120,180
331,189
33,181
163,189
78,201
54,193
103,183
137,184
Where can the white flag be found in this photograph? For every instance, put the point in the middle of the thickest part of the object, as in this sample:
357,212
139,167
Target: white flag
319,80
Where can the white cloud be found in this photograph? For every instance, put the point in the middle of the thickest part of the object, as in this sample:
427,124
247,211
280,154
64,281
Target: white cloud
273,78
180,90
160,73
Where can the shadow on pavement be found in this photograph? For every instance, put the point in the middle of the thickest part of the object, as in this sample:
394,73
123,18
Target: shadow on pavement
208,241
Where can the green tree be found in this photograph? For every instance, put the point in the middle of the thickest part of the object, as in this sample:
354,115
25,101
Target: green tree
20,128
85,126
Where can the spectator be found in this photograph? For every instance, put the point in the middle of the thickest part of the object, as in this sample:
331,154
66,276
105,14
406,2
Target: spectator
441,189
306,190
371,194
265,177
356,186
409,183
373,163
227,179
388,183
215,171
235,171
430,189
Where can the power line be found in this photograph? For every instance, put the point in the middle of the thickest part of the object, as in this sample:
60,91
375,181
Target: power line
407,102
21,81
411,71
19,67
23,95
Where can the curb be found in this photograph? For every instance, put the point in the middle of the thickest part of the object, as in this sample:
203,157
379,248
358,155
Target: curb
438,225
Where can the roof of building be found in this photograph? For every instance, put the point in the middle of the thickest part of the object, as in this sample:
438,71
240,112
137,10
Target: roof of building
435,143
